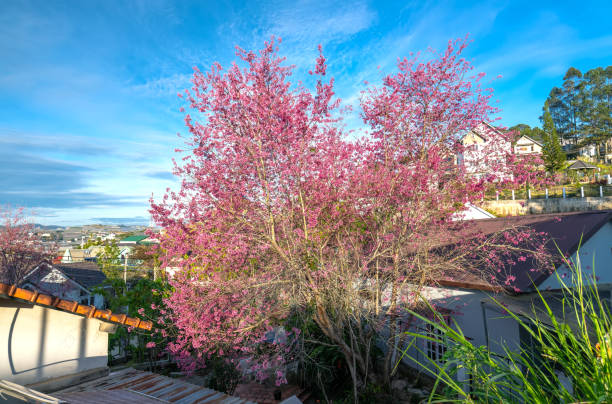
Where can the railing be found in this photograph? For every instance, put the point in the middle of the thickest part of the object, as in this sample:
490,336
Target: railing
567,191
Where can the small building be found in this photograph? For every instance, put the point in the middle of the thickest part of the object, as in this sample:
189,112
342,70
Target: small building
582,168
56,351
132,240
466,300
74,281
527,145
74,255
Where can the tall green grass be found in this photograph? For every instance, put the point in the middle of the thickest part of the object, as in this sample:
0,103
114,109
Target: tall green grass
572,362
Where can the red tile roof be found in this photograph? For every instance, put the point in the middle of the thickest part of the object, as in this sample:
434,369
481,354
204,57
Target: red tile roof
73,307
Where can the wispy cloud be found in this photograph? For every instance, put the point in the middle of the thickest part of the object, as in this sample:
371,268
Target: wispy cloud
308,22
164,86
137,220
162,175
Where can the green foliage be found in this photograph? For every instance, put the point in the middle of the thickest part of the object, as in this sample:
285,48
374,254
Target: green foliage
92,242
108,260
581,108
553,155
322,366
223,376
577,347
144,299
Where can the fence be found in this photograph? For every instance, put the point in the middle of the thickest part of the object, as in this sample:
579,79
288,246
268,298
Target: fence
568,191
543,205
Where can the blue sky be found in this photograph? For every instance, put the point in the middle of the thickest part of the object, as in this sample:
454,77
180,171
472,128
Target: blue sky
88,109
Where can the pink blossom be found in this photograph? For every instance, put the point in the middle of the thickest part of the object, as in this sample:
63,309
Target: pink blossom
278,207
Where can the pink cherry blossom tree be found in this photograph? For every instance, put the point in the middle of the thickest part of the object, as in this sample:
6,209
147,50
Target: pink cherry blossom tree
279,214
20,250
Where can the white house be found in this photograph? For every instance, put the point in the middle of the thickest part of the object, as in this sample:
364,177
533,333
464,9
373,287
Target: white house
527,145
73,255
56,351
485,151
74,281
467,300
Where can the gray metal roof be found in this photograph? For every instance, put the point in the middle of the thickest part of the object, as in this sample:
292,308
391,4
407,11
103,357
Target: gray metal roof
582,165
87,274
136,386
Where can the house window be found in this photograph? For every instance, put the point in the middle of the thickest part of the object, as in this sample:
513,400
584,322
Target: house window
434,350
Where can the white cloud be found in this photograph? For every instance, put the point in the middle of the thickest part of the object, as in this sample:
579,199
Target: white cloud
164,86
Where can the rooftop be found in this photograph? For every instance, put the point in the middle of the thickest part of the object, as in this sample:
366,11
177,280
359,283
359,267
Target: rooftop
582,165
135,386
71,306
565,232
88,274
136,238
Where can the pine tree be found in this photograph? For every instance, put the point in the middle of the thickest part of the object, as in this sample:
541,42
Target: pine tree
552,154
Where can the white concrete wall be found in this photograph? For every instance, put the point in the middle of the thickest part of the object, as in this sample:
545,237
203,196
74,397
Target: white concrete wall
595,254
38,343
471,212
467,313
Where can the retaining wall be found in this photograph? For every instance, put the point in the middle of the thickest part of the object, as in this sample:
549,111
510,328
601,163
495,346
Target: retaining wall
551,205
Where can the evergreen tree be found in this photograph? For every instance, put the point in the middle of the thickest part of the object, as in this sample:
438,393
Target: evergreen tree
552,154
596,112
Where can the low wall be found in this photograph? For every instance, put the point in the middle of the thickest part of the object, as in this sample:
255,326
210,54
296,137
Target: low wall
39,343
551,205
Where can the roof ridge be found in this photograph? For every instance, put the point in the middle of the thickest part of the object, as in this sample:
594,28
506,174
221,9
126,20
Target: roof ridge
73,307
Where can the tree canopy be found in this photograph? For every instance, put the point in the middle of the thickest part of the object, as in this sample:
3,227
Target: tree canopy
581,108
281,220
552,153
20,249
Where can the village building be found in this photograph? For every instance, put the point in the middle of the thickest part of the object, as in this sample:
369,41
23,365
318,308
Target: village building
48,342
70,255
485,151
465,300
527,145
132,241
74,281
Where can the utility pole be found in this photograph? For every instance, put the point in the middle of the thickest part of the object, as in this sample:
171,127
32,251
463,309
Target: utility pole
125,269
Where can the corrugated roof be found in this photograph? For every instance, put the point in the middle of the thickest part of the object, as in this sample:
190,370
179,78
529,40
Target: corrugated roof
582,165
136,386
72,307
